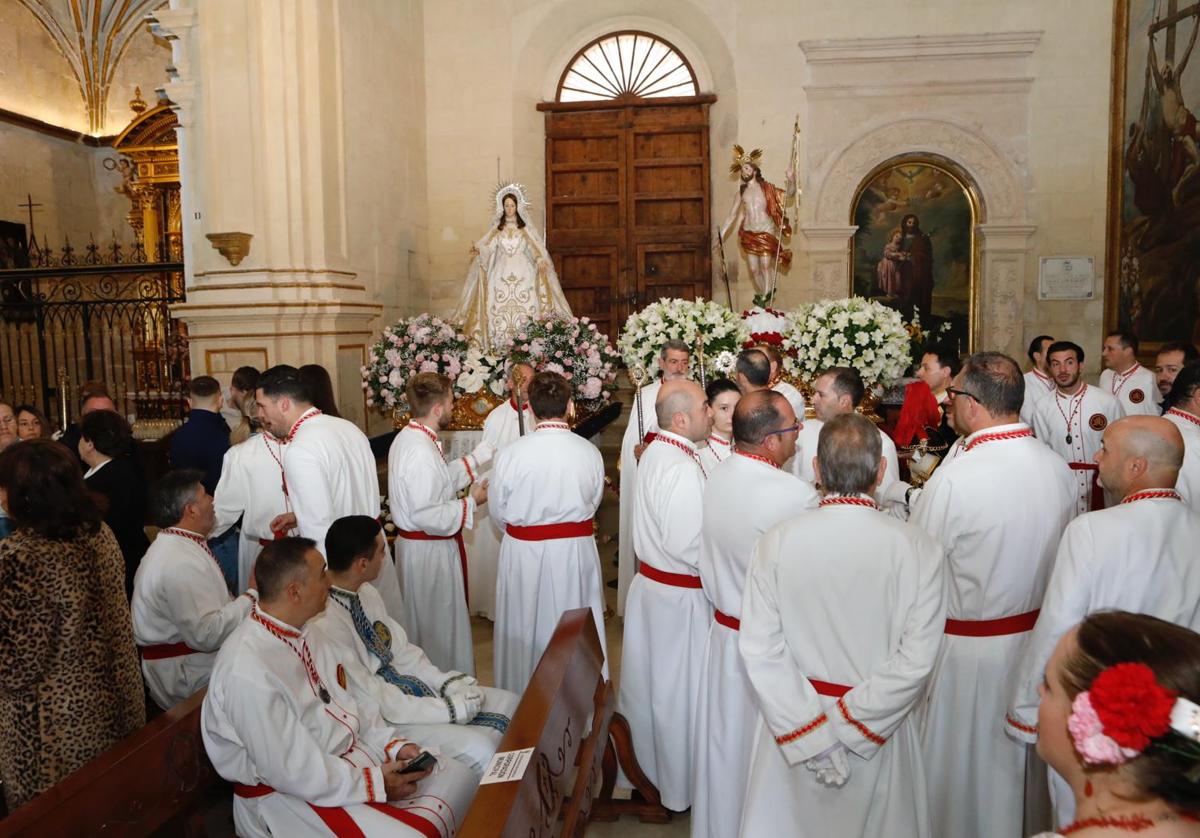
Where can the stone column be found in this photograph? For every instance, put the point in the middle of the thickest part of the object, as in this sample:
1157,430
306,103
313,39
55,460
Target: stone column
998,317
258,90
828,251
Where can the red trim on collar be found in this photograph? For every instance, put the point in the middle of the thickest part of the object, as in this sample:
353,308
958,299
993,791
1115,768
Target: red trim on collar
691,452
761,459
1184,415
308,414
999,435
553,425
845,500
1152,494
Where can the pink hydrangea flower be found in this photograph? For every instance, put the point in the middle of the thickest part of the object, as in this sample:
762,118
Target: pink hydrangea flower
591,388
1087,733
428,366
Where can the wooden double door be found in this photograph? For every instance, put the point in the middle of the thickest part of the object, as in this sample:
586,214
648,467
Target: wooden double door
627,197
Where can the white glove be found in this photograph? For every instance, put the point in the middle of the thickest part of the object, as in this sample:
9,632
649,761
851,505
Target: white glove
459,684
466,705
831,766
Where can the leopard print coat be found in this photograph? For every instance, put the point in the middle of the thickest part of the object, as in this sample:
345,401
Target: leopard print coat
70,683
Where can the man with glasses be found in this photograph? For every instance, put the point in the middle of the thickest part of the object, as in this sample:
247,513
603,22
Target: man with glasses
1072,419
744,497
998,509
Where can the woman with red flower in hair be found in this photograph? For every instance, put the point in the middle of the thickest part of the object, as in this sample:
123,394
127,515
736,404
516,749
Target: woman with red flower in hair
1119,720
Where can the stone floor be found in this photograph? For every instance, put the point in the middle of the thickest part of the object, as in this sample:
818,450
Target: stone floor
609,443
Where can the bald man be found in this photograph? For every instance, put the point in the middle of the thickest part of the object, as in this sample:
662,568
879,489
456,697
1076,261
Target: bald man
667,615
1139,556
752,371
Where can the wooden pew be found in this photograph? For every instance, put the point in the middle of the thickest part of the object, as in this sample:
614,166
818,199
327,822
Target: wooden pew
158,780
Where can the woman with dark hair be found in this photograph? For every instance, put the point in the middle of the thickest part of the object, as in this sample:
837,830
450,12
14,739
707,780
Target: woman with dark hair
317,382
1120,721
723,396
106,449
70,686
31,423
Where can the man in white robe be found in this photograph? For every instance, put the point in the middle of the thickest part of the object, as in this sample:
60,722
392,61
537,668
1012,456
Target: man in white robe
429,518
305,756
743,498
667,615
673,361
836,753
250,490
181,608
1038,381
501,428
998,509
329,471
723,396
545,490
1184,414
836,392
752,370
449,710
1138,556
786,389
1072,419
1133,385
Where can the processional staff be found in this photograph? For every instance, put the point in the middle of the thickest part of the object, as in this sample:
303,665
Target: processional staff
638,374
793,164
518,397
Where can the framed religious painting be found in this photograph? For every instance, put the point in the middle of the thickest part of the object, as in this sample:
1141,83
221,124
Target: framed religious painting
914,249
1152,272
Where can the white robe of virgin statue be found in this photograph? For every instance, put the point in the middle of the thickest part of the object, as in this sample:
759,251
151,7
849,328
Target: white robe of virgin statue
180,596
743,499
998,509
413,695
796,626
626,559
1037,387
1136,389
500,429
1188,482
511,280
1083,417
714,451
331,473
550,476
250,489
264,724
666,625
422,492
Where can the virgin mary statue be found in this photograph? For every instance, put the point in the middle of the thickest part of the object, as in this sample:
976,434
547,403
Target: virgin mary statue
511,277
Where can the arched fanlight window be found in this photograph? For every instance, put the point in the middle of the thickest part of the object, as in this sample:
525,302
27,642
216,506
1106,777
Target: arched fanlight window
625,65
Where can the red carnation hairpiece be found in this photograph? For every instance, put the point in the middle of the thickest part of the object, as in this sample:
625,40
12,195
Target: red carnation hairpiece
1131,705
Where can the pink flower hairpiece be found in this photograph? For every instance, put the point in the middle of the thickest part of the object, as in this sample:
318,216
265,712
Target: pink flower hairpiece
1118,717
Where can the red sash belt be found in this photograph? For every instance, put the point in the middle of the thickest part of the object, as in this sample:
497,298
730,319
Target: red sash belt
1097,501
549,532
1015,624
162,651
678,580
420,535
338,820
727,621
827,689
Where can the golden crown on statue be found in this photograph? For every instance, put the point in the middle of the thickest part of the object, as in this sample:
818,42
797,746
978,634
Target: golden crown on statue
741,158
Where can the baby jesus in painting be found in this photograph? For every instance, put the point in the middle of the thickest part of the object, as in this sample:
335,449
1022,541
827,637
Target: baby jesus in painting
890,279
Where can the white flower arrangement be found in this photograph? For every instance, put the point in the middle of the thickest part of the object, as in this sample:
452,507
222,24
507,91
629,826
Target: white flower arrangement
767,325
853,332
481,371
644,333
424,343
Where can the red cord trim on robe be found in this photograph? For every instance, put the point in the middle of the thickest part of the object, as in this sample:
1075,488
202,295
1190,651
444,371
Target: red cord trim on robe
802,731
467,465
370,784
859,726
1024,728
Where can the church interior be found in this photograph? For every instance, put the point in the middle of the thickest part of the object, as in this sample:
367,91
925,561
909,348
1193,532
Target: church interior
190,188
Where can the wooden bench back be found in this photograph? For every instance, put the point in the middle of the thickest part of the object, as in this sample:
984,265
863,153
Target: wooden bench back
133,788
564,715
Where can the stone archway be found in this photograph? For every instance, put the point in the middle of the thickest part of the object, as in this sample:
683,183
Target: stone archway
1003,227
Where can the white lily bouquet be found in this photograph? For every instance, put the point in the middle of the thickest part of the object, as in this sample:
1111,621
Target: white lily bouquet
722,333
852,332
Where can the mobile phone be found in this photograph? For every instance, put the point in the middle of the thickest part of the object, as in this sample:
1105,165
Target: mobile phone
420,763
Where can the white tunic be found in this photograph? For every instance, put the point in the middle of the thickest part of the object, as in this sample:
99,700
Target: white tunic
666,626
1138,556
1083,417
500,428
409,689
422,492
1037,387
714,451
743,499
180,596
998,509
626,565
806,448
263,722
1188,482
250,488
331,473
848,596
1136,389
551,476
795,397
